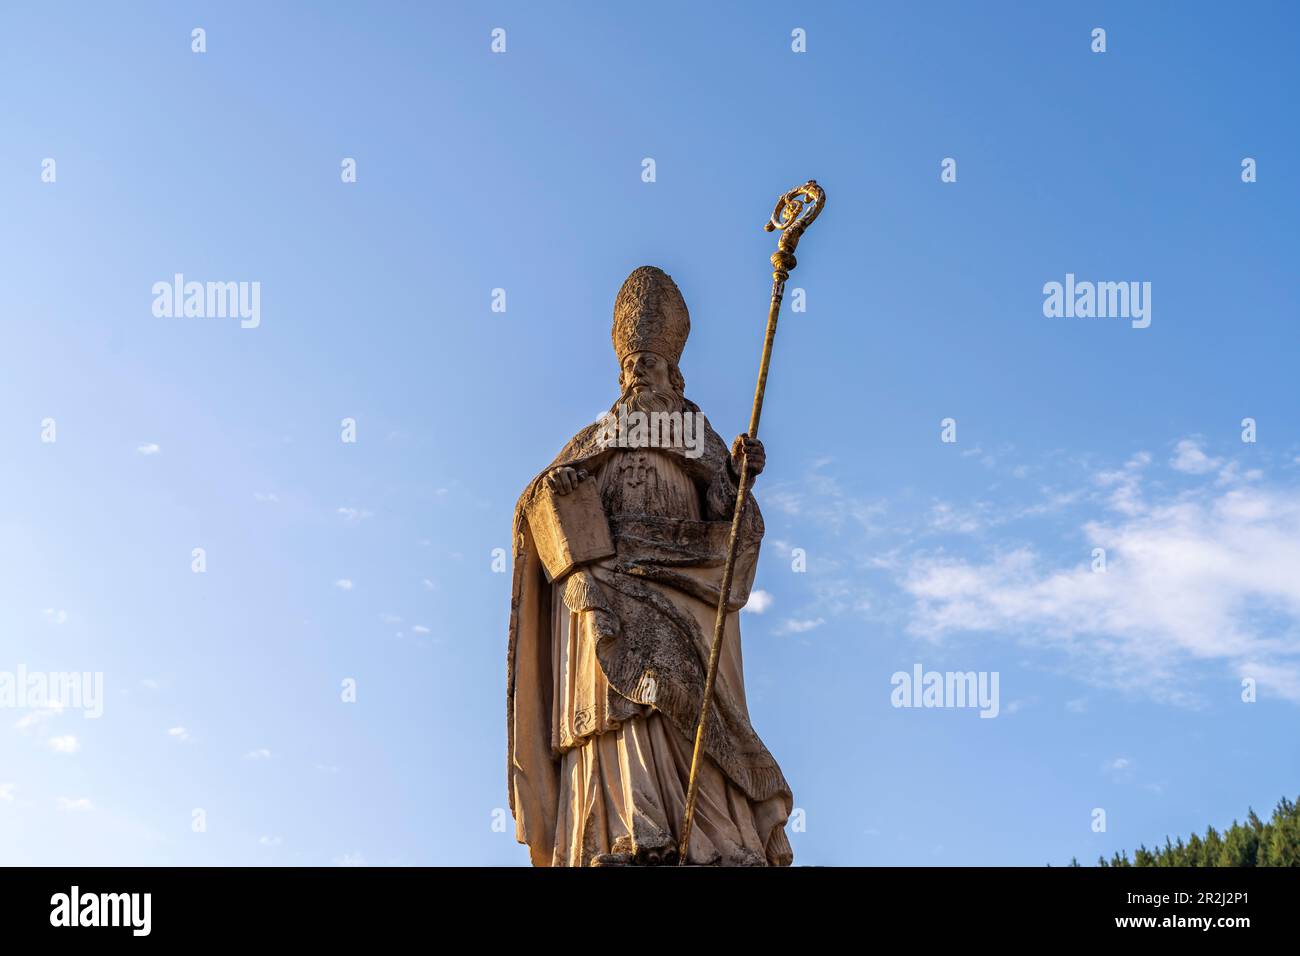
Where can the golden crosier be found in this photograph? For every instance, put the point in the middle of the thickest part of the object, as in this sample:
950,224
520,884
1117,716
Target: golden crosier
794,212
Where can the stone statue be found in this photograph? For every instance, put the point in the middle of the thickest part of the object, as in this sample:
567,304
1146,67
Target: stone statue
618,554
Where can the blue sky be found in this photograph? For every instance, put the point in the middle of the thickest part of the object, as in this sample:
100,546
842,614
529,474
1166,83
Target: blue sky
523,171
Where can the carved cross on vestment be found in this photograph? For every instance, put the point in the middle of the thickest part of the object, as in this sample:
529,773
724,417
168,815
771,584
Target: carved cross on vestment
636,468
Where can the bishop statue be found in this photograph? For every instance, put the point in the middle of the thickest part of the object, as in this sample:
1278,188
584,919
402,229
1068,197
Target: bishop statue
618,552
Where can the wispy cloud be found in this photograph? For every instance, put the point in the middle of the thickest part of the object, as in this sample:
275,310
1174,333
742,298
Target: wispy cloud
1208,575
179,734
80,804
260,754
759,601
799,625
944,517
1125,484
819,497
38,715
148,448
67,744
1120,770
343,584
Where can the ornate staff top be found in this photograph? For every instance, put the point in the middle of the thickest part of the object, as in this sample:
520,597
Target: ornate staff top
794,212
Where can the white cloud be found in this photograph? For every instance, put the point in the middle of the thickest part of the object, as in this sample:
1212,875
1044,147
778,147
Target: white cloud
1190,459
37,715
759,601
420,629
1206,576
65,745
260,754
944,517
350,859
343,584
149,448
178,733
354,515
1127,481
1120,770
7,792
270,841
429,585
55,615
799,625
67,803
266,497
1232,474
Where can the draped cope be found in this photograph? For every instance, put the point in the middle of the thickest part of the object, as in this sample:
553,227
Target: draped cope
606,672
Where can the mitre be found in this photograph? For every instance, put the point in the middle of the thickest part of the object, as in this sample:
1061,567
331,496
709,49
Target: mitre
650,316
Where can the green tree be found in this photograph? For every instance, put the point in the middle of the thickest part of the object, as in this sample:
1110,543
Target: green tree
1254,843
1284,840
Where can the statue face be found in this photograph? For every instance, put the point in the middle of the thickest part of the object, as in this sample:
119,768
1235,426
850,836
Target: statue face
646,370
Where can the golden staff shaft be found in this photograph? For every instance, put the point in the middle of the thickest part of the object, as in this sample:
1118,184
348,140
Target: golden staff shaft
794,212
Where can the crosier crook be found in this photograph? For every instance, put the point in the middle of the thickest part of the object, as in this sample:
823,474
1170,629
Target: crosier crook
793,213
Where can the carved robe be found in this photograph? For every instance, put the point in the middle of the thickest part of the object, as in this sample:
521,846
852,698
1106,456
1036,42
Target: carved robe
607,667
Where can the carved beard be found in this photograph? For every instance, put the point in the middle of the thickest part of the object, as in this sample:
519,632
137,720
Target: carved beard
650,400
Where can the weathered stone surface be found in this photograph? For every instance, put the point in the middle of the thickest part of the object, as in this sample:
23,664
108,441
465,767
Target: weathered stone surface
569,529
619,546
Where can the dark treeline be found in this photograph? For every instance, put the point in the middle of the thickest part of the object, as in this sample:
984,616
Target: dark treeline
1253,843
